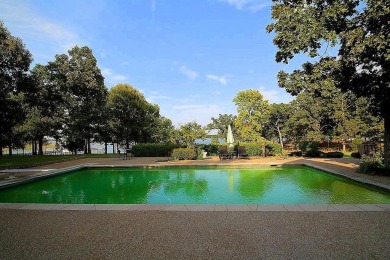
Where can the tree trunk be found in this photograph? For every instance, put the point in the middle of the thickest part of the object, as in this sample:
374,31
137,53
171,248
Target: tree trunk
40,145
386,118
10,149
280,137
89,145
105,147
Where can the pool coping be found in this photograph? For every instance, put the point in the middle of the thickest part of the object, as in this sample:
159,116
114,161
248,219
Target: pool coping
197,207
203,207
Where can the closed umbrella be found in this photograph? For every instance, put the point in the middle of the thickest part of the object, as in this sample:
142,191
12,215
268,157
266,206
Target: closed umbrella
229,137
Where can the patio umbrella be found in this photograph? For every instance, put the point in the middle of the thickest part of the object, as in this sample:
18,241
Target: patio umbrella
229,137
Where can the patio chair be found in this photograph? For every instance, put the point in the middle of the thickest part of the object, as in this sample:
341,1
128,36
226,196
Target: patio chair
223,153
242,153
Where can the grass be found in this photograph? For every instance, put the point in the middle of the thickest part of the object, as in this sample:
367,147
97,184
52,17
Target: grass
27,161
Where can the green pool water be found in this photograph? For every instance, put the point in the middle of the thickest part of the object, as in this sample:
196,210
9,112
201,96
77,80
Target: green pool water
196,185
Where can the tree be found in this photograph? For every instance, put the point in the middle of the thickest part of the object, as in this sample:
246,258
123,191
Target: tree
163,132
253,113
15,60
279,114
357,29
221,123
130,114
78,75
191,131
44,105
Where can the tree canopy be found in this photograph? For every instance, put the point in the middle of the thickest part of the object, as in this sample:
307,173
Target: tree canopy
359,32
15,60
253,113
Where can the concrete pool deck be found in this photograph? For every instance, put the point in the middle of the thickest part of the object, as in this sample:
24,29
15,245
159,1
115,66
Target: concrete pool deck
101,232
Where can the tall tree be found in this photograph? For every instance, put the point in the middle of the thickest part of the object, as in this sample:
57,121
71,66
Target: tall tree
45,107
277,124
81,79
253,114
15,60
130,114
221,123
357,29
191,131
163,131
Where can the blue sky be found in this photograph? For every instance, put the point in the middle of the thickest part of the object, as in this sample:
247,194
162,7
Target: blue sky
189,57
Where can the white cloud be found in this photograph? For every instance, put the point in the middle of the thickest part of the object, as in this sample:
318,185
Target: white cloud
251,5
220,79
155,97
192,75
22,18
113,78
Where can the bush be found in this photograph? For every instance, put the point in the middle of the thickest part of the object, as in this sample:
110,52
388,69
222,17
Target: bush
314,153
153,150
184,154
296,153
370,164
253,148
334,155
256,148
356,155
273,148
309,146
211,149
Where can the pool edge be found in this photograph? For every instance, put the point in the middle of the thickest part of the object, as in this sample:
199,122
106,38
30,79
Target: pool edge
202,207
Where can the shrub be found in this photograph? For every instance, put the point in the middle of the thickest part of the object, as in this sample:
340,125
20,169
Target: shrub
370,164
153,150
211,149
314,153
273,148
356,155
296,153
253,148
309,146
184,154
334,155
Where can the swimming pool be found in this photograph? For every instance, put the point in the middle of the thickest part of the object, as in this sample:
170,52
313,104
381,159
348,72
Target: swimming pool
195,185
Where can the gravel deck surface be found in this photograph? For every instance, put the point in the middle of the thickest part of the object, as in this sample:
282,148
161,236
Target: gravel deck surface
112,234
36,234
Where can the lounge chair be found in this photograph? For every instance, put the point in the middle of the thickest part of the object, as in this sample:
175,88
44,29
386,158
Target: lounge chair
223,153
242,153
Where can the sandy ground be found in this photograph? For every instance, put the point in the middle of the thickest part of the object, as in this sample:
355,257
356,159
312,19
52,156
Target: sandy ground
39,234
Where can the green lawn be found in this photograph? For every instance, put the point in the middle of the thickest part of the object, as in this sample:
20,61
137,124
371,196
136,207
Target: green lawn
26,161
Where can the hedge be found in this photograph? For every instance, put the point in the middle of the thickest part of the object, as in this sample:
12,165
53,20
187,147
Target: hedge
153,149
334,155
256,148
184,154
